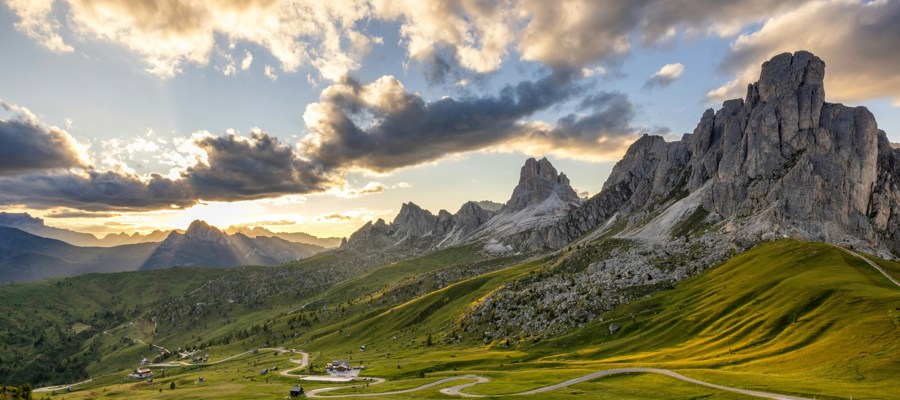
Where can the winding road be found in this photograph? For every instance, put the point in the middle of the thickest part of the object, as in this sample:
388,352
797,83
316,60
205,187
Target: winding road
457,390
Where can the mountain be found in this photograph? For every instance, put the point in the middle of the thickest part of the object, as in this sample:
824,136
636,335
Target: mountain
118,239
781,162
28,257
297,237
205,245
36,226
541,197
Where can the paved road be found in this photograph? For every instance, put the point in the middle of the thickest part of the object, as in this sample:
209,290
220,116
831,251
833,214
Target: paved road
458,389
58,387
475,380
303,361
874,265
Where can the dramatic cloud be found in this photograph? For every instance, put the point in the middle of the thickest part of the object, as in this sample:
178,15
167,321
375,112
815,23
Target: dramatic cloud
241,168
666,75
381,126
96,191
232,168
859,51
479,33
28,146
170,34
330,35
602,130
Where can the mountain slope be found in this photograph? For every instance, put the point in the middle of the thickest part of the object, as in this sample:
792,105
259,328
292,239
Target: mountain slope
541,197
27,257
35,226
789,316
204,245
781,162
297,237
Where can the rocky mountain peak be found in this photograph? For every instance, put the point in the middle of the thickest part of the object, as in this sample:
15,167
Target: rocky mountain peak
201,230
781,162
414,221
538,180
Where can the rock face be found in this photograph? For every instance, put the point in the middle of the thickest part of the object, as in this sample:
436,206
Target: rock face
538,181
780,162
207,246
541,198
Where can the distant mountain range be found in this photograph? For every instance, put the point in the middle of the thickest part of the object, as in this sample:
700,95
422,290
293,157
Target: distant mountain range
26,257
541,198
298,237
36,226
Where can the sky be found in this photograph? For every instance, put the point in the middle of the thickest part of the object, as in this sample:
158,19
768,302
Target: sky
121,115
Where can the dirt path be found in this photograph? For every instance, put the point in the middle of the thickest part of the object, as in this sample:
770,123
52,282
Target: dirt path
874,265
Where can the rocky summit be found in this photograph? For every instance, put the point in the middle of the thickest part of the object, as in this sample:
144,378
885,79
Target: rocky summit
538,182
539,200
780,162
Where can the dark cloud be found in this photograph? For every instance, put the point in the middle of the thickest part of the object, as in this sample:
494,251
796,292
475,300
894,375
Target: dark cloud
237,168
80,214
382,127
26,146
603,128
240,168
95,191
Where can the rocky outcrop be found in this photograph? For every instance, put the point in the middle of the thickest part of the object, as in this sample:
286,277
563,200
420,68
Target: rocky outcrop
780,162
538,180
541,197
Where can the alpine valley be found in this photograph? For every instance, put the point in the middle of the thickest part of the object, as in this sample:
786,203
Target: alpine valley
754,257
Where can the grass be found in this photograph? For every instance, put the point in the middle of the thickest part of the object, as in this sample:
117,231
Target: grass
787,317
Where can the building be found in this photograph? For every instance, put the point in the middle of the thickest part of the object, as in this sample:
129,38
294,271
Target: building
145,361
141,373
296,391
339,366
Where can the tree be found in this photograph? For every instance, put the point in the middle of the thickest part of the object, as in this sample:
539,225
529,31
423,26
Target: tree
428,341
172,385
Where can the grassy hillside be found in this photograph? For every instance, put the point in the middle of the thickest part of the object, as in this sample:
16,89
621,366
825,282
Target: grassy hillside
45,326
786,317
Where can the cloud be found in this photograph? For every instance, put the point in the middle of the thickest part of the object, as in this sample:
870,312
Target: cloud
602,130
35,22
270,72
232,168
247,61
858,52
95,191
252,167
171,34
666,75
80,214
479,34
335,218
331,36
28,146
381,127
